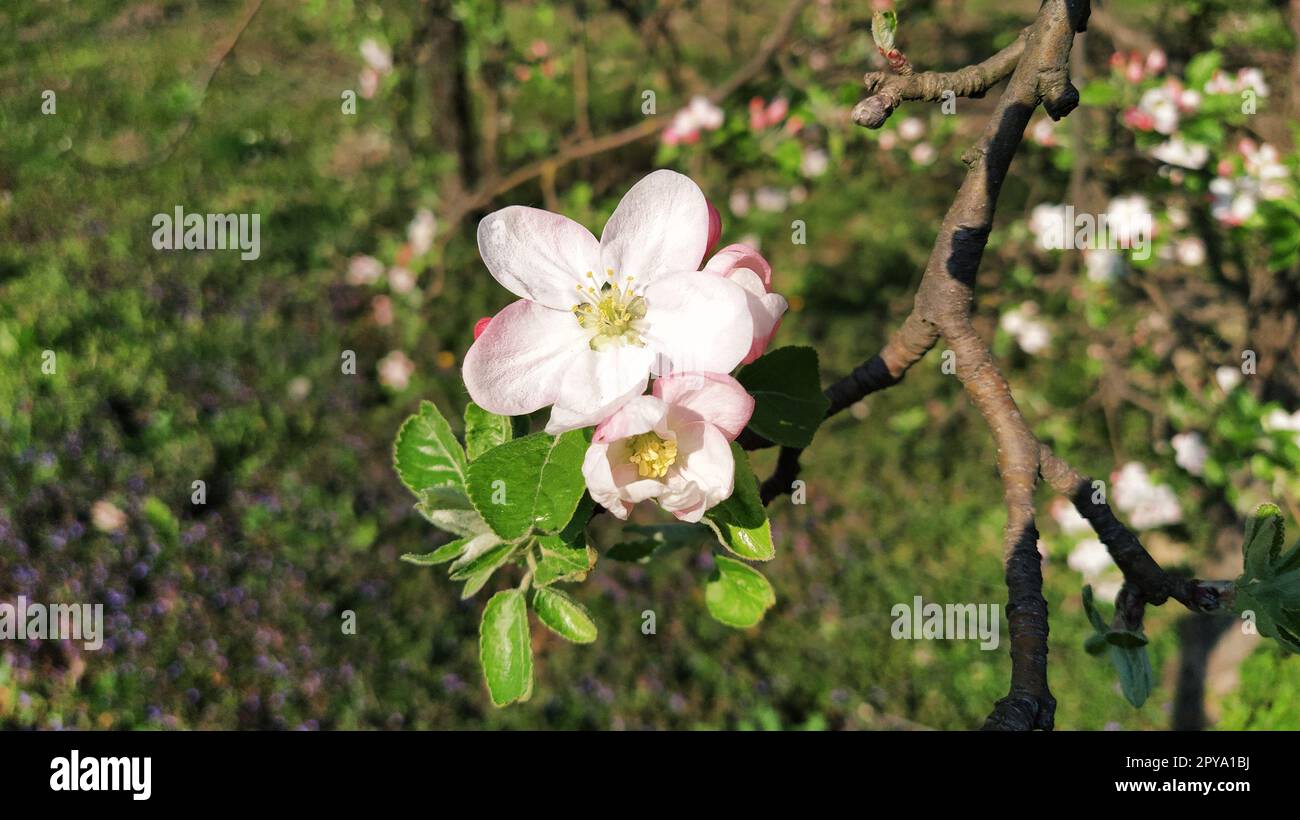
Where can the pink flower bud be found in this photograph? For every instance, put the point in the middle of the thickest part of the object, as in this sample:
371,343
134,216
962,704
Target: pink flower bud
715,230
480,326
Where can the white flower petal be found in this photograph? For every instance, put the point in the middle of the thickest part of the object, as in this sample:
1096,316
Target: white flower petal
711,397
516,366
596,383
661,226
697,321
704,475
537,254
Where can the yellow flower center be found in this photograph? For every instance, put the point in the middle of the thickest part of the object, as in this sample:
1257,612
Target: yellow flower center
612,314
652,455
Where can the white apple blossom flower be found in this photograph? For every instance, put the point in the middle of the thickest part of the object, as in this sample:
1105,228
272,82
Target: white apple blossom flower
922,153
1089,558
1161,105
596,319
1068,518
1103,264
1227,378
1129,219
364,270
1031,334
1180,152
106,517
815,162
1233,199
699,115
400,279
1043,132
1190,452
770,199
1280,421
395,370
746,267
420,233
739,202
1190,251
1048,225
376,55
911,129
672,446
1147,504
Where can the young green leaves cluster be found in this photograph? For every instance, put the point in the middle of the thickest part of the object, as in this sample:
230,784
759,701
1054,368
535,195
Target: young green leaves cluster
1126,649
1269,586
510,501
522,501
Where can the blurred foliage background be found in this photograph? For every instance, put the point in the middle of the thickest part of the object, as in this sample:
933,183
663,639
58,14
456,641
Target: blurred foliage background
174,367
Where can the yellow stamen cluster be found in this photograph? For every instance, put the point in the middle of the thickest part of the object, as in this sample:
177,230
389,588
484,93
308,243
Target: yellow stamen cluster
652,455
611,313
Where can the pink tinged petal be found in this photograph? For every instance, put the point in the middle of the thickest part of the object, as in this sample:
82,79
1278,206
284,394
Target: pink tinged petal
697,321
715,229
538,255
737,256
661,226
600,479
765,309
640,415
596,383
612,479
516,366
705,472
711,397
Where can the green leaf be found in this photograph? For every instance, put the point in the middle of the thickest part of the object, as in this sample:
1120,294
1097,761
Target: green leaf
484,430
161,519
561,561
483,556
530,482
741,522
788,401
1201,68
564,616
448,508
1134,668
505,648
1265,533
427,454
1126,650
737,594
441,555
883,26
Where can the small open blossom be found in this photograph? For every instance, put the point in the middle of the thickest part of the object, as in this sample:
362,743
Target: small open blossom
364,270
911,129
1227,378
1279,421
1177,151
1147,503
597,318
747,268
420,233
1190,452
1090,558
686,125
673,446
395,370
1030,333
1068,518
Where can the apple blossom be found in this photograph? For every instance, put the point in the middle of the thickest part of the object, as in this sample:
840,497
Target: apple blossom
1148,504
747,268
699,115
1190,452
672,446
1090,558
1177,151
596,319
